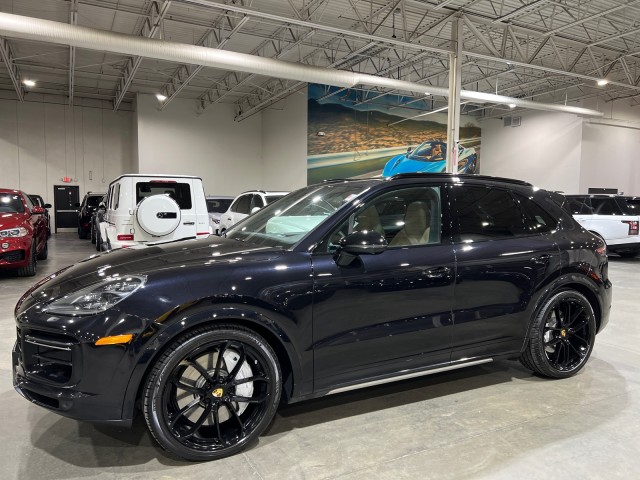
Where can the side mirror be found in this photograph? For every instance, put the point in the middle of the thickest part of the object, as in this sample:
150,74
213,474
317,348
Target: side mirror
37,211
254,210
102,206
409,150
47,205
366,242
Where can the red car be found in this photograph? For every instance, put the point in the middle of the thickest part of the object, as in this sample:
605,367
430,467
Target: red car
23,232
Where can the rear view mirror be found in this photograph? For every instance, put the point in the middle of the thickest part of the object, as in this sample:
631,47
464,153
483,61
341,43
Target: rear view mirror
47,205
366,242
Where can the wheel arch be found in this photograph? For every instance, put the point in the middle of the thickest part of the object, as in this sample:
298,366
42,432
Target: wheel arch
239,315
563,284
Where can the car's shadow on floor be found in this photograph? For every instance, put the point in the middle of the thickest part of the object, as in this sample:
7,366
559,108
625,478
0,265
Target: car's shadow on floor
396,394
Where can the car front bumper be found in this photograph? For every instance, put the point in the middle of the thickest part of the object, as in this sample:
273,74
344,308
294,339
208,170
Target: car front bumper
15,252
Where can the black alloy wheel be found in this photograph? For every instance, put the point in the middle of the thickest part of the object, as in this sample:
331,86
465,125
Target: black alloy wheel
562,336
29,270
212,392
45,251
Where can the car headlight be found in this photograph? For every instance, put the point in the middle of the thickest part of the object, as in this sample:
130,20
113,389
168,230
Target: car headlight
97,297
14,232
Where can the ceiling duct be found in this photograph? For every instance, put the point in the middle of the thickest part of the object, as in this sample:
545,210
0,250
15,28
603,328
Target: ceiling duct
93,39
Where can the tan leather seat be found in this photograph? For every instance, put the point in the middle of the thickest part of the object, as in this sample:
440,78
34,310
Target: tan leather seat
369,220
416,226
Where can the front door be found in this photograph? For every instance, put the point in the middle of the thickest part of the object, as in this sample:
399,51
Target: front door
390,312
65,199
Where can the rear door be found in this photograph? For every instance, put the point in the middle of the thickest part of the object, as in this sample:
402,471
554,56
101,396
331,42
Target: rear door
181,191
504,254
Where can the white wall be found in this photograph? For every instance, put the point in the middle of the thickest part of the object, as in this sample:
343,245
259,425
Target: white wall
611,146
545,150
42,142
284,143
226,154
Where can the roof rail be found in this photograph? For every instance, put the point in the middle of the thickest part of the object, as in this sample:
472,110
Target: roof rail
461,176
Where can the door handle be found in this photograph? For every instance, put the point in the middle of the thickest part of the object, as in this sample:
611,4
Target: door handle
188,223
437,272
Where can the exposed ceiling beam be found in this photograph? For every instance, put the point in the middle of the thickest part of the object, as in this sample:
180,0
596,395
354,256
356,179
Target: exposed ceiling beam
14,73
150,27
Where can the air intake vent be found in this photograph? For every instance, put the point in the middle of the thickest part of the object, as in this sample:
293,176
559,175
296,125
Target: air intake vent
512,121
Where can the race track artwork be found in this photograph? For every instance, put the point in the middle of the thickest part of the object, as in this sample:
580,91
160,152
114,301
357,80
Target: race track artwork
351,135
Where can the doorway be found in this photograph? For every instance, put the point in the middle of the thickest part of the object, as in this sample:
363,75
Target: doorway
65,199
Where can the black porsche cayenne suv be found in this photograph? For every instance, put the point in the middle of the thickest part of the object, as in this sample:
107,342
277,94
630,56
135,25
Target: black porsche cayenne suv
334,287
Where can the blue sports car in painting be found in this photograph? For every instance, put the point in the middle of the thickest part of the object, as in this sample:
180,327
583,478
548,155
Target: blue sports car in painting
430,157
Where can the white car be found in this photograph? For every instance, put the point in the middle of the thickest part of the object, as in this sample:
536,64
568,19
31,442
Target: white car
216,206
614,218
245,204
153,208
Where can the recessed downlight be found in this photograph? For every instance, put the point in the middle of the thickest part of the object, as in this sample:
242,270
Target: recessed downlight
602,82
512,105
29,83
161,97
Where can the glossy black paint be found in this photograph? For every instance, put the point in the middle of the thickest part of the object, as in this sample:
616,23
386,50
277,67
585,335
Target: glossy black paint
404,309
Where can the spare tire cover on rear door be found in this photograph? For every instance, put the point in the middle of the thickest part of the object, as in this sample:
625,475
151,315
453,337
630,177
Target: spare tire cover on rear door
158,215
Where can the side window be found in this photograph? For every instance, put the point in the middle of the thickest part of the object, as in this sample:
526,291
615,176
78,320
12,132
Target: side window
537,219
243,204
110,198
486,214
605,206
405,217
116,195
28,201
257,202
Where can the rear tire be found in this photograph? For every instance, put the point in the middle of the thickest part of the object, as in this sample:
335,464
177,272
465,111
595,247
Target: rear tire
561,337
212,392
93,234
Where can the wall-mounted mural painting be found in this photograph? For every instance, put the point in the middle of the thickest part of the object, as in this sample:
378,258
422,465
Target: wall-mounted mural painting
362,134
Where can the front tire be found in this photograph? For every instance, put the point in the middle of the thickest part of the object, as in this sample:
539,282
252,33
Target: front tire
561,337
212,392
29,270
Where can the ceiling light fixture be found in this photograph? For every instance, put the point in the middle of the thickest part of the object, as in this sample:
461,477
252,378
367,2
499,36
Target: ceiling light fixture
512,105
161,97
29,83
602,82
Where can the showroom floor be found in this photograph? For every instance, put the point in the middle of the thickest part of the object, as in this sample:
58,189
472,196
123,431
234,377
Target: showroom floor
495,421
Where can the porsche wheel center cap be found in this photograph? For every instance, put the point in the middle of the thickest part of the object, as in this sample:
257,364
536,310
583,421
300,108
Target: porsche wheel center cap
563,333
217,392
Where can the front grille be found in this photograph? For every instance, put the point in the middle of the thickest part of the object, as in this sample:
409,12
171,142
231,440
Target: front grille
13,256
48,356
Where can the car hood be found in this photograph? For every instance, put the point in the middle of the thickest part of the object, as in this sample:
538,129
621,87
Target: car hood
406,165
148,260
12,220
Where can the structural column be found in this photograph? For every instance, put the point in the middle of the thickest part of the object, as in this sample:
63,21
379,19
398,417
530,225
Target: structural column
455,72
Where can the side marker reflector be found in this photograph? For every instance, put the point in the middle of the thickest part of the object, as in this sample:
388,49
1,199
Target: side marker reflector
115,340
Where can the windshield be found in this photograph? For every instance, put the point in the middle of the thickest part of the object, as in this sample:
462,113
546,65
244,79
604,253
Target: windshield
218,205
11,203
429,152
287,221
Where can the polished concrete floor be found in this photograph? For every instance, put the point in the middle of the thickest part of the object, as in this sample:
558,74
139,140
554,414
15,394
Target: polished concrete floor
495,421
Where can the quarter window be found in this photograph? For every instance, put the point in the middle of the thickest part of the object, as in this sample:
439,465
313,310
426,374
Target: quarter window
486,214
605,206
537,220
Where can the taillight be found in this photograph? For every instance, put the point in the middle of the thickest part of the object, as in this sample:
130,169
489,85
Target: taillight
602,250
633,226
125,237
